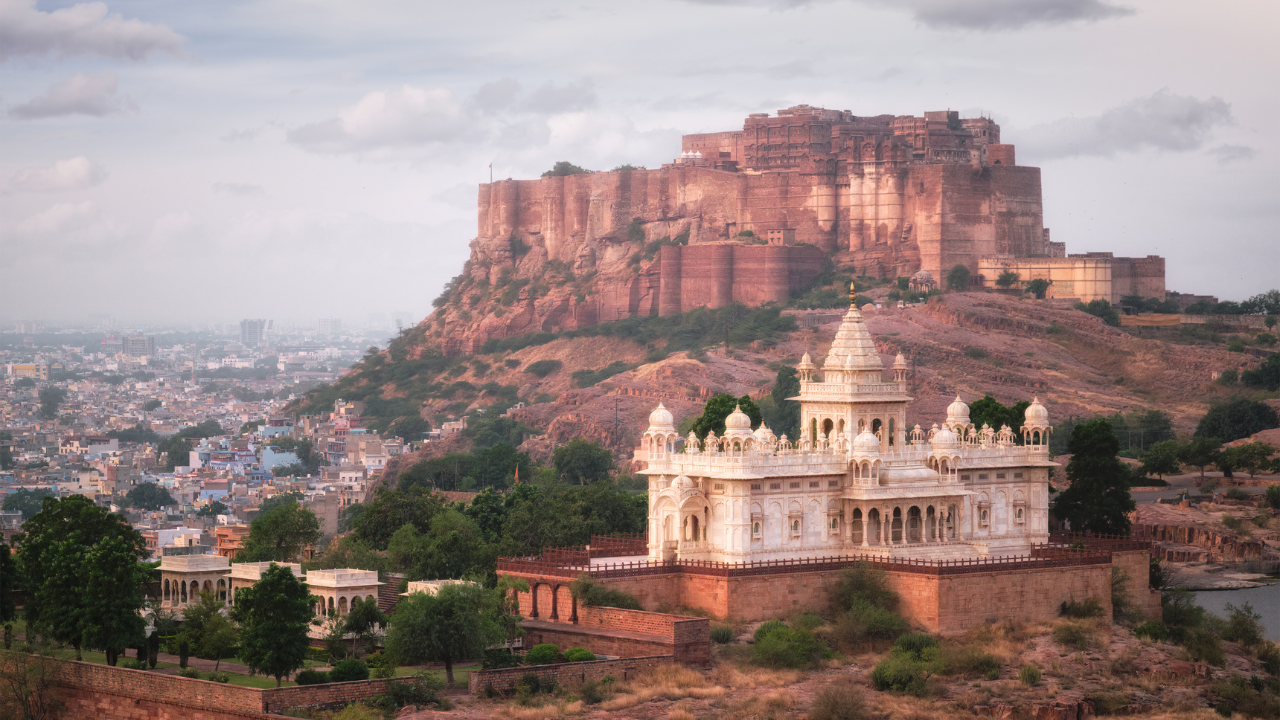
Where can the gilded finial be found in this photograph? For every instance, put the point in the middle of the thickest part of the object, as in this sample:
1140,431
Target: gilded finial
853,295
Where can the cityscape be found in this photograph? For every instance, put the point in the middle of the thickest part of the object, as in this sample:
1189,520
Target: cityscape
679,361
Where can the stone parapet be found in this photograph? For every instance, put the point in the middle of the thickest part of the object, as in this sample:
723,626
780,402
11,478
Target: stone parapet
505,680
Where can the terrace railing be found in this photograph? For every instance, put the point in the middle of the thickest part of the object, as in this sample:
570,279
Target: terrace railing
561,564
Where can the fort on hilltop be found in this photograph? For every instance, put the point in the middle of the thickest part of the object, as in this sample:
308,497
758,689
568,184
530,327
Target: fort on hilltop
755,213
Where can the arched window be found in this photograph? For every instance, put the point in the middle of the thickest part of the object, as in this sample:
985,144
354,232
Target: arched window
835,523
342,606
891,432
795,527
166,588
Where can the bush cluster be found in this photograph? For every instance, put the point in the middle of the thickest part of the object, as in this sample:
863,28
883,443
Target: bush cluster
914,659
865,607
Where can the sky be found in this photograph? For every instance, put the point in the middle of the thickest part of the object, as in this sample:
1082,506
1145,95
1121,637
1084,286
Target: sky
297,159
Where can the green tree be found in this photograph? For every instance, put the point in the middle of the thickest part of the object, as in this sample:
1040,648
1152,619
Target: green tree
1162,459
148,496
958,278
177,451
1250,457
361,621
274,615
27,502
292,497
6,451
786,416
1007,279
1200,452
1039,287
82,576
1267,303
718,408
390,510
581,461
560,169
50,398
221,636
213,509
150,405
8,583
989,411
1102,309
197,614
1098,499
456,623
1266,377
1238,418
280,534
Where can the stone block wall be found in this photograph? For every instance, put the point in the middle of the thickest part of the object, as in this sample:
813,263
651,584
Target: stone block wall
325,695
168,690
505,680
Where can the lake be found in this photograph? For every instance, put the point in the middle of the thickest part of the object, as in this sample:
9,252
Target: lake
1265,601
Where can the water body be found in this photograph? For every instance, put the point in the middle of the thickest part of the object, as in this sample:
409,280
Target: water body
1265,601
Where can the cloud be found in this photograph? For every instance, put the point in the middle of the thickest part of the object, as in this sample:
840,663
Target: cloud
239,189
80,94
551,99
75,173
83,29
384,120
1233,153
1164,121
241,136
972,14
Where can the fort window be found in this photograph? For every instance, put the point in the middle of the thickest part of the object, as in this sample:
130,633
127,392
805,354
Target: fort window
1017,475
755,486
835,525
794,486
1000,476
982,518
982,476
755,529
795,528
813,483
719,486
775,486
1017,515
833,483
964,477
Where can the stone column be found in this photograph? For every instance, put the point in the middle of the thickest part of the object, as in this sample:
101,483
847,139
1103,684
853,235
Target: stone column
865,529
886,528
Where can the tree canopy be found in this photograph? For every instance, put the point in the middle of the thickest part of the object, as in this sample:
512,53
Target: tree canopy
1038,287
1098,499
1161,459
564,167
581,461
274,615
148,496
280,534
213,509
1238,418
783,415
1007,279
989,411
27,502
456,623
958,278
83,579
718,408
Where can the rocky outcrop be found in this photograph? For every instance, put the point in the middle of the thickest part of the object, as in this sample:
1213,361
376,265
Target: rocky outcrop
1218,546
1077,710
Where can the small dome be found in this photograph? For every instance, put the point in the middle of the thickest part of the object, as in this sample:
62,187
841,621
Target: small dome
900,362
661,418
866,443
958,411
697,154
1036,413
682,483
763,433
806,362
944,439
737,420
924,276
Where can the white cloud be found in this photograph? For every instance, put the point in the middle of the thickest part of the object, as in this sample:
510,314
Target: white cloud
385,120
75,173
83,29
1233,153
1164,121
80,94
972,14
239,189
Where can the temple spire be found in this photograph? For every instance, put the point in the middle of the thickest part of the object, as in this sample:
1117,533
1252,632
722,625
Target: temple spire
853,295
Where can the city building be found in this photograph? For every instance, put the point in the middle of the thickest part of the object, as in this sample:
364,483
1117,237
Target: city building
253,332
138,345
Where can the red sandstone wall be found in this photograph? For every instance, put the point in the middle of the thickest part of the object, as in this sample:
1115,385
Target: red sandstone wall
965,601
505,680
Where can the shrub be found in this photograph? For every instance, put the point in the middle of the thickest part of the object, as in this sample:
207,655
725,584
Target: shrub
319,655
1083,609
786,647
1269,655
543,368
382,672
1238,695
499,658
348,670
189,672
969,661
1152,630
879,622
423,689
593,692
544,654
135,664
839,701
1244,626
915,644
722,634
219,677
807,621
577,654
1029,674
588,592
1073,635
1204,646
767,627
1107,703
900,674
1272,497
862,582
1236,493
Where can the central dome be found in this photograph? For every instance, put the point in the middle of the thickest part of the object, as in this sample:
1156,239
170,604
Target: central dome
661,418
737,421
1036,413
958,412
944,439
866,443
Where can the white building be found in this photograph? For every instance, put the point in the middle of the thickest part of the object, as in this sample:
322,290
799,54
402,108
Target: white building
857,481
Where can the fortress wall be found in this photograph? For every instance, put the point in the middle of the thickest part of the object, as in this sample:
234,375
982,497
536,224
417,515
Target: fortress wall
873,206
761,274
1016,209
707,276
669,263
1137,276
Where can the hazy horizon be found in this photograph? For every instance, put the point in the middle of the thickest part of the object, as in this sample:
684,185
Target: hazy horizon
178,163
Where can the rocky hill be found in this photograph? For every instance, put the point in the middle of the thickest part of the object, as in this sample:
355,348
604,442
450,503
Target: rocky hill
601,382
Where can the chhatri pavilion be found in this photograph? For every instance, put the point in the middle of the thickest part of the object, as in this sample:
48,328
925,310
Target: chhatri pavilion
857,481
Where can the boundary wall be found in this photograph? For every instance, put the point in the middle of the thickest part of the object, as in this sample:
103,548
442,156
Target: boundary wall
117,693
615,631
506,679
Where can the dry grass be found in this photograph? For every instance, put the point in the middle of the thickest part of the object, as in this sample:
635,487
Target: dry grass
669,682
739,678
775,705
553,711
681,714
